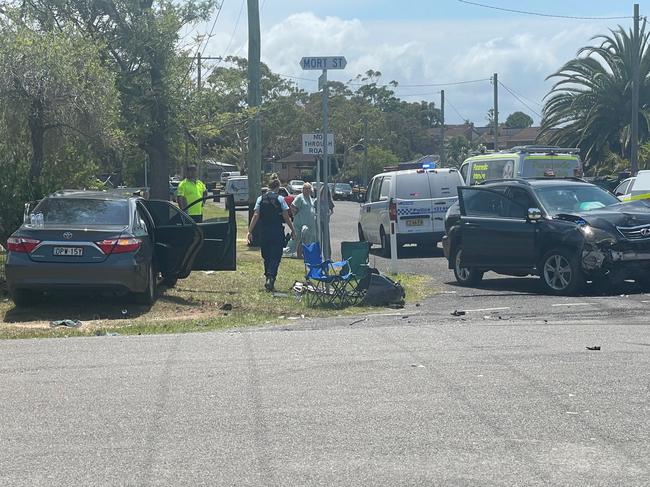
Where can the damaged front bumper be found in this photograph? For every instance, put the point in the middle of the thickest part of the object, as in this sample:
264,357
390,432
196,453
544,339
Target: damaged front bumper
619,263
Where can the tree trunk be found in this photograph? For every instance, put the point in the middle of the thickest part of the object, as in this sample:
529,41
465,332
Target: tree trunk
157,146
37,131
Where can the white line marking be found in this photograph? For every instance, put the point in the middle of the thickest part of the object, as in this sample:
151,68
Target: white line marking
572,304
485,309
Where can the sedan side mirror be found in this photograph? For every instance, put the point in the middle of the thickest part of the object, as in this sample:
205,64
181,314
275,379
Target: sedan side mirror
534,214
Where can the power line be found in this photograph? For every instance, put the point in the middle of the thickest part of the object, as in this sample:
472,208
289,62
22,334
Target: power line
520,100
232,37
454,108
540,14
212,29
453,83
526,99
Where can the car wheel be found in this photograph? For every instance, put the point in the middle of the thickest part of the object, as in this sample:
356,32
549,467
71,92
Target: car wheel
465,276
149,295
169,280
560,272
24,297
385,243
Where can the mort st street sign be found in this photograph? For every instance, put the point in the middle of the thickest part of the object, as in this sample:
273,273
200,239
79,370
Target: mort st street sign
312,144
323,62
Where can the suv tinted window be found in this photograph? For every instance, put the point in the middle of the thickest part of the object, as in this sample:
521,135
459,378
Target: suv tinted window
83,211
569,199
486,203
413,186
520,201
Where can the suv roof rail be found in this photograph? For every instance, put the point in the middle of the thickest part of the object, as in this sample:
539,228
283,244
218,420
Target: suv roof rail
545,148
507,180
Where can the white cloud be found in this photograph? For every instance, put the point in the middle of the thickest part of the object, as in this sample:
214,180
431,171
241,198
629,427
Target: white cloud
522,51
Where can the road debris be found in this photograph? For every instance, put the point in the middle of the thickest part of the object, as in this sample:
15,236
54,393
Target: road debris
595,347
357,321
458,313
67,323
226,307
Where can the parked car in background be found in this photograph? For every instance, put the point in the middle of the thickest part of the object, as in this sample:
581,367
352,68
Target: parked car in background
342,191
237,186
529,161
567,231
81,241
295,186
228,174
415,200
635,188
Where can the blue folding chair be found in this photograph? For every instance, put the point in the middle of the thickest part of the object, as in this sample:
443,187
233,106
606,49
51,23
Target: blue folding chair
326,281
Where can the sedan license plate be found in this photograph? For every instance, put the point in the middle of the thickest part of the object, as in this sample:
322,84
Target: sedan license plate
415,222
68,251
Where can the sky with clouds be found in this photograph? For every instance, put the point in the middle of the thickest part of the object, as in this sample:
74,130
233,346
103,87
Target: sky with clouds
419,42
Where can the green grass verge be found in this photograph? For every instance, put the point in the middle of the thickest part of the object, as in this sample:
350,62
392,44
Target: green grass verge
204,301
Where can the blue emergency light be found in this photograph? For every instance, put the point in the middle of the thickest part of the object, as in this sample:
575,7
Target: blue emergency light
429,165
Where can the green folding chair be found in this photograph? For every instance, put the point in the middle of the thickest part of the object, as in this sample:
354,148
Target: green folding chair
357,254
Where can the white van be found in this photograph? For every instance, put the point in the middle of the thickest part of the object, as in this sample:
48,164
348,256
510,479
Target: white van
416,199
228,174
528,161
635,188
238,187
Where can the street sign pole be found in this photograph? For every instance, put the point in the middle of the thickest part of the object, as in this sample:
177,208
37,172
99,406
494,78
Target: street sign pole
325,215
323,211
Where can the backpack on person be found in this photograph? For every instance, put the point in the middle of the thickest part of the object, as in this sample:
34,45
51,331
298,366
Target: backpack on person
270,209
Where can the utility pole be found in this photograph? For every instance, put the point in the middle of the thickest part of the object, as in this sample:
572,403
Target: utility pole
495,117
254,101
199,149
365,152
443,158
636,54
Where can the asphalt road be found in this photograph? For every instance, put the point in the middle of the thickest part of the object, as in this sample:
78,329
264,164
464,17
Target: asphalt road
505,394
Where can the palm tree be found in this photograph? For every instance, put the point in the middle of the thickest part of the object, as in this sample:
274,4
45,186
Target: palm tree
590,106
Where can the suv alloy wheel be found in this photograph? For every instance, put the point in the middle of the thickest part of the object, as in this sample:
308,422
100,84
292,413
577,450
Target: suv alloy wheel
561,273
466,276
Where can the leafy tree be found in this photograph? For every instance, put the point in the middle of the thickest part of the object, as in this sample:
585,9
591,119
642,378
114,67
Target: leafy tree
140,38
518,120
53,87
590,104
457,149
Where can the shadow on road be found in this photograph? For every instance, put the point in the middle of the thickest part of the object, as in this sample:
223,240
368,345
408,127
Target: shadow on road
89,307
413,252
530,286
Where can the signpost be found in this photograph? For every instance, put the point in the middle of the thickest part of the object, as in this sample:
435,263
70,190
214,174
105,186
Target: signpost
312,144
322,210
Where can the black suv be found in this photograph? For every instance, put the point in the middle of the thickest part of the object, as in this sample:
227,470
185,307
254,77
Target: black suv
567,231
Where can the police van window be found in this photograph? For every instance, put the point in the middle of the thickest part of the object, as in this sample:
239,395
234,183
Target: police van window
374,196
492,169
539,167
622,188
463,171
485,203
384,193
413,186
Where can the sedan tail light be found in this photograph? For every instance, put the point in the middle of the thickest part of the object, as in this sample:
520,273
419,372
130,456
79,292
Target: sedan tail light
21,244
119,245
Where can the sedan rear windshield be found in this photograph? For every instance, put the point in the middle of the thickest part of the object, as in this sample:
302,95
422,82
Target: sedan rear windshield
343,187
82,211
570,199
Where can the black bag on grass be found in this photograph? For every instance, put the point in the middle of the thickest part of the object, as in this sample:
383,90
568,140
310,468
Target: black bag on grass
383,291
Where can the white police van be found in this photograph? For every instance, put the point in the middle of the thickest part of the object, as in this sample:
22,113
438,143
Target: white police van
416,200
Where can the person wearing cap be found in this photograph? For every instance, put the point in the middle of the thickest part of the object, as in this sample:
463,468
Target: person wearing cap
189,190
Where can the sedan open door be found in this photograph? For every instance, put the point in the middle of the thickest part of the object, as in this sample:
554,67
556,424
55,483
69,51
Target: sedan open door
183,245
